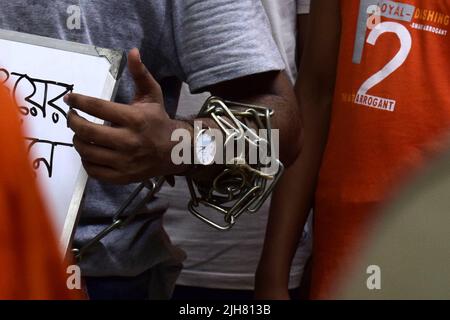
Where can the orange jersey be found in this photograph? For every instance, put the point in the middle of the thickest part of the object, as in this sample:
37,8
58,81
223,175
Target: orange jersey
391,107
30,264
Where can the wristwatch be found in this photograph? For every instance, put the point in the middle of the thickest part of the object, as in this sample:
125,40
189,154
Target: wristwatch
205,147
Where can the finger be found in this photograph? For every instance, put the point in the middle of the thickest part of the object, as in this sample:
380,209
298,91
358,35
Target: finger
101,135
147,88
97,155
106,110
103,173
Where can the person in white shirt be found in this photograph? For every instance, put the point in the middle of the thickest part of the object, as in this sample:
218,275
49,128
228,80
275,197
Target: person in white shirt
222,264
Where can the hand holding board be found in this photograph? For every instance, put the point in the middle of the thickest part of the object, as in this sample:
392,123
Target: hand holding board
39,72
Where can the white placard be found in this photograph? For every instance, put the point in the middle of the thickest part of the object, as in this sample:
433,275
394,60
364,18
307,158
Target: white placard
39,72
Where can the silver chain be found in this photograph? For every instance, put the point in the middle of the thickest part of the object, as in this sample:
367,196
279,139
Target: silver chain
153,186
240,187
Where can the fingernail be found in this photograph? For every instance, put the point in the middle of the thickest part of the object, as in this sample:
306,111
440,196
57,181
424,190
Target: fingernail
66,98
139,55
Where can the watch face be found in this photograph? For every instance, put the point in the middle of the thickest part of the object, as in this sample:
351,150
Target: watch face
205,148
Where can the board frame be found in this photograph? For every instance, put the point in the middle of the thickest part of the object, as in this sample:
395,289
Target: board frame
117,60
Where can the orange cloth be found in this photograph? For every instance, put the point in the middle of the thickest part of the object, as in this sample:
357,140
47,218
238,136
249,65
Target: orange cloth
30,264
384,125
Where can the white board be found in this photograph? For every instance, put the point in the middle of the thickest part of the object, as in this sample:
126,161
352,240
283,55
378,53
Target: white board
39,71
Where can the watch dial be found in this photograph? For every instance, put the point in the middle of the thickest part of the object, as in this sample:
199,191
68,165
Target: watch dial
205,148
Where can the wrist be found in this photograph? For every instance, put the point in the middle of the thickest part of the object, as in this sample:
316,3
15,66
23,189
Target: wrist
200,159
268,287
179,149
272,274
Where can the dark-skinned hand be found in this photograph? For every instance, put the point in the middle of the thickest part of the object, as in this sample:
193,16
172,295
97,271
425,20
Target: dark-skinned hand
137,145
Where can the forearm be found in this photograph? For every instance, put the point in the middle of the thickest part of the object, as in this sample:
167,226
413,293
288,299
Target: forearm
142,141
271,90
288,122
302,33
292,201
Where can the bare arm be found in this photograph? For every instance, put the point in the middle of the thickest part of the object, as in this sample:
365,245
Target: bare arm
273,90
139,144
303,21
294,195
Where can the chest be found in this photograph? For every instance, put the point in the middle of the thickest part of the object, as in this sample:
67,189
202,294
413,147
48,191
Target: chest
102,22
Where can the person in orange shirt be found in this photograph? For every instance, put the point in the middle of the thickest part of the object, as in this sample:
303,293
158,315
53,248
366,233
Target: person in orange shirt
31,266
374,96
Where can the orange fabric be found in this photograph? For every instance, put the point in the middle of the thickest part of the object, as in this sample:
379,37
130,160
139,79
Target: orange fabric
30,265
380,136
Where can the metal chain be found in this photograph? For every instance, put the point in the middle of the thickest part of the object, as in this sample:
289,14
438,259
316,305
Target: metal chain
153,186
240,187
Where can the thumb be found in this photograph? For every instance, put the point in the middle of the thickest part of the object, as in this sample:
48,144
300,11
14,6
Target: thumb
147,88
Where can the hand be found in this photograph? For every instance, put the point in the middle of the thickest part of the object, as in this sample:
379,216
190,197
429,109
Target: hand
137,145
265,290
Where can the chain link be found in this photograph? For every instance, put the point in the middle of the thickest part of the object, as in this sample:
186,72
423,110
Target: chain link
153,186
241,187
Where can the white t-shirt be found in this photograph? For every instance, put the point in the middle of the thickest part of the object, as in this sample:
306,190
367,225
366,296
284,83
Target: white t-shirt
228,260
